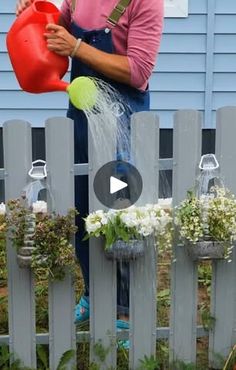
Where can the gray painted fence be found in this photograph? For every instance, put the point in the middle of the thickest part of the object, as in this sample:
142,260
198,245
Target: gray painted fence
143,333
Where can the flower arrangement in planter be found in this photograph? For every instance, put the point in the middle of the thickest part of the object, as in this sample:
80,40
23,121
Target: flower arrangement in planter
208,226
125,230
42,239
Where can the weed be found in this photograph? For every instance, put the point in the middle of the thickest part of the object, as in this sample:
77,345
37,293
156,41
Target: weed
7,362
208,321
149,363
204,274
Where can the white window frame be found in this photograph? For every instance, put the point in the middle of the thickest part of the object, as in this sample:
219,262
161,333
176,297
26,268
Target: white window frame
176,8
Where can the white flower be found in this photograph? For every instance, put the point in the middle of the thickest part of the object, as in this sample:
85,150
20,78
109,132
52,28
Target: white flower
93,227
165,203
94,221
39,206
2,209
151,219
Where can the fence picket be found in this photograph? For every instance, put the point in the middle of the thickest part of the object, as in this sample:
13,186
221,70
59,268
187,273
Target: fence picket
223,335
186,156
145,154
60,163
102,274
17,162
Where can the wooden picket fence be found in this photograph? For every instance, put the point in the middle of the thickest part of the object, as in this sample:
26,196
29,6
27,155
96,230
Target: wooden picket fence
182,331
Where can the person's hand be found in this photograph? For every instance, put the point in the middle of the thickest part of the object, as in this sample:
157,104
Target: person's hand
59,40
22,5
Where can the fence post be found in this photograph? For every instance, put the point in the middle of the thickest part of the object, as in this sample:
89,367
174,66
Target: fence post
145,154
60,164
223,335
186,156
17,162
102,275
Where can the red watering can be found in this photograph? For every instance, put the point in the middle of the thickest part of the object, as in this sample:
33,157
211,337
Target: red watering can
37,69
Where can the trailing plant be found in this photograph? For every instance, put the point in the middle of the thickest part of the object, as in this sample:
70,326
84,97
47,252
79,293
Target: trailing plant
131,223
52,252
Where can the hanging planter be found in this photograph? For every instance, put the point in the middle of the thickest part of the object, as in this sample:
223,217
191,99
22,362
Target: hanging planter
207,250
206,219
124,231
42,239
121,250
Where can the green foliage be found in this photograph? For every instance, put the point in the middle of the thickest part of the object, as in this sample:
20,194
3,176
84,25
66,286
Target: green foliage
208,321
43,359
204,274
149,363
8,362
188,218
53,252
3,316
219,360
231,361
180,365
66,358
164,296
41,300
100,351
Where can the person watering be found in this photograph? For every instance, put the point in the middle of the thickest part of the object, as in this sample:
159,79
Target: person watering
117,41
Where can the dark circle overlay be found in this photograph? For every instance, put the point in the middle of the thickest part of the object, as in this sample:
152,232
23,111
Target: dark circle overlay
122,171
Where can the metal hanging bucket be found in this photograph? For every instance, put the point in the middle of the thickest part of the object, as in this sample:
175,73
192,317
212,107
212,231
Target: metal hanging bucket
130,250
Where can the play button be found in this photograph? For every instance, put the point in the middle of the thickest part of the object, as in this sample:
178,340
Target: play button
118,184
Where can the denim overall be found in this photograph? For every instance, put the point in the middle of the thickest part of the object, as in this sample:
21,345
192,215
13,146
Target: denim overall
138,101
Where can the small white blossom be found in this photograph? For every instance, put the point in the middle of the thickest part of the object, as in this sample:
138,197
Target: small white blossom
2,209
165,203
39,207
93,227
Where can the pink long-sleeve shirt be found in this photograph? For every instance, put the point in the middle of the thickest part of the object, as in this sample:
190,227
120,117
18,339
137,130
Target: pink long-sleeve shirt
137,34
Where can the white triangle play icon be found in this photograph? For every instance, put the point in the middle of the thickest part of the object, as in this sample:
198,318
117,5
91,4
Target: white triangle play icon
116,185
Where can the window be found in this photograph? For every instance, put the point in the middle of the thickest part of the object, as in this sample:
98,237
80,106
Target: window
176,8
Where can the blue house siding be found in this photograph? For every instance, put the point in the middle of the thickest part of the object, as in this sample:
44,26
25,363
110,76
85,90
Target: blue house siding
197,62
196,68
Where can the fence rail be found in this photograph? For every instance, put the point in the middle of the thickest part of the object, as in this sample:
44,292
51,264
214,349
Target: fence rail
183,330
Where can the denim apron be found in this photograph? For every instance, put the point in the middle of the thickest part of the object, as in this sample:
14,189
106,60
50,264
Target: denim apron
138,101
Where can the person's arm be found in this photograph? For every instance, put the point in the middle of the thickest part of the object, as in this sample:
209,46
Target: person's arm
113,66
144,37
143,40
